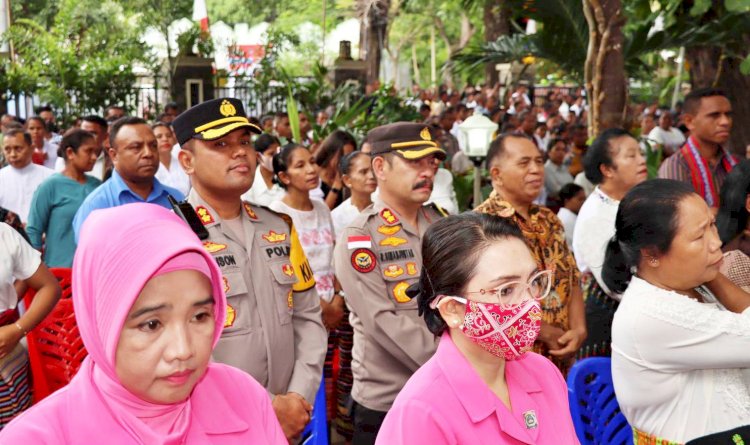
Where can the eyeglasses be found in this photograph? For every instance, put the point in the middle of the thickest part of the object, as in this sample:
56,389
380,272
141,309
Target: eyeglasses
511,294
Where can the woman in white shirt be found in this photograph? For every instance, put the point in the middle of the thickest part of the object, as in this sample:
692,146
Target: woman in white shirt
297,172
614,162
681,335
357,176
170,171
19,261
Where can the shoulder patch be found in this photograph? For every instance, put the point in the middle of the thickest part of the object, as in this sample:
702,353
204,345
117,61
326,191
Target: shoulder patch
363,260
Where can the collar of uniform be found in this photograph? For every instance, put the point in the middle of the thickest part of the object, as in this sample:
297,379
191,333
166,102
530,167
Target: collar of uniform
250,212
208,216
379,207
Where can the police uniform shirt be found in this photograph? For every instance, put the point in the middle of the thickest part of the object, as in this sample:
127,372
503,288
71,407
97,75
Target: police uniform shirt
273,329
378,256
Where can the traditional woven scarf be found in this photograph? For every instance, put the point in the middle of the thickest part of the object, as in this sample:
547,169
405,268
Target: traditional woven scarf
700,173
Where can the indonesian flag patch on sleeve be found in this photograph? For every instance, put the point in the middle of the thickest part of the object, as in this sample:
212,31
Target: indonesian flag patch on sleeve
359,242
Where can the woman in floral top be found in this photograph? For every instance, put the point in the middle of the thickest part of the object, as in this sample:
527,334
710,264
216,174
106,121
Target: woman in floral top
517,171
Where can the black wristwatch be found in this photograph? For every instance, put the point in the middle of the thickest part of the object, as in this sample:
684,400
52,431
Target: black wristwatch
335,190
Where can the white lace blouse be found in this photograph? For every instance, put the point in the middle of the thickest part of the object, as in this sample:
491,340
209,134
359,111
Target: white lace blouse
678,365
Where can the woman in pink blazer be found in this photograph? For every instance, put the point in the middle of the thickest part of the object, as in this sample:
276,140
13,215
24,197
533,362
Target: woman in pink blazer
479,291
150,306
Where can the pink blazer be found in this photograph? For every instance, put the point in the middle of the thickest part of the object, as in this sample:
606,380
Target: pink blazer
228,407
446,402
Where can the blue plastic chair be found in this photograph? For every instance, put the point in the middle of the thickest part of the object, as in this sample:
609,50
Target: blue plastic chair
596,414
316,432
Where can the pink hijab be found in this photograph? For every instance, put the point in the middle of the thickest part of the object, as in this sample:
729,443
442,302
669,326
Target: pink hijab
120,249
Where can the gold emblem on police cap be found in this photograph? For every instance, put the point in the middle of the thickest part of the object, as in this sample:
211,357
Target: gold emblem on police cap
425,134
227,109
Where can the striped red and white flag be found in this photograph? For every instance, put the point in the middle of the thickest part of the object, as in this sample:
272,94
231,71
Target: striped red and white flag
200,14
359,242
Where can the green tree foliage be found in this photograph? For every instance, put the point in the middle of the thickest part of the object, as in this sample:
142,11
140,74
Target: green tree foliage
83,62
562,35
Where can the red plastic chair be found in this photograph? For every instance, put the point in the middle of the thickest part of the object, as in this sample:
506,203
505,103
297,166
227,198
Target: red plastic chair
55,346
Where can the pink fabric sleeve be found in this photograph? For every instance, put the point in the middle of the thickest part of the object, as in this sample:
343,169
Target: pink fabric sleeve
412,422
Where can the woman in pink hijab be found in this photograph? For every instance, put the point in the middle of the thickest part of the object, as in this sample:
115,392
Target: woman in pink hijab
150,307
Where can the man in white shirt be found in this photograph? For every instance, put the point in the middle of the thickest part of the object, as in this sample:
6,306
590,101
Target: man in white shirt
669,137
20,178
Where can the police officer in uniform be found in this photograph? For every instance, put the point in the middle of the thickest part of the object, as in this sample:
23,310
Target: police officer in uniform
377,258
273,329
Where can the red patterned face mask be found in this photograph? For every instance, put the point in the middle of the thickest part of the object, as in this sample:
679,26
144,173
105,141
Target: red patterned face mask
506,333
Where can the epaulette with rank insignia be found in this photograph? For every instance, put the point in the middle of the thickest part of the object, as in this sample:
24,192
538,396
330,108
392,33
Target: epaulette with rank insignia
287,219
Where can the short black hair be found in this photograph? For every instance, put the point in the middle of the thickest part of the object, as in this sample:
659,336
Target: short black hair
568,191
554,141
693,99
450,250
264,141
95,119
600,153
15,132
122,122
73,139
497,146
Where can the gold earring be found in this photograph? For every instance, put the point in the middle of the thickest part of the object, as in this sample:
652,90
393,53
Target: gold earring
653,262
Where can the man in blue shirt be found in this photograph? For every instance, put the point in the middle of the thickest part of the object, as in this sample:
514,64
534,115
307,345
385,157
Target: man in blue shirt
133,149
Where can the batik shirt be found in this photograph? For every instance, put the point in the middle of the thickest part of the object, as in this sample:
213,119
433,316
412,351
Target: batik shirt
545,237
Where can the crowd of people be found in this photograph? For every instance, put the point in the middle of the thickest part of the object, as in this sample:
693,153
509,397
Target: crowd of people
286,263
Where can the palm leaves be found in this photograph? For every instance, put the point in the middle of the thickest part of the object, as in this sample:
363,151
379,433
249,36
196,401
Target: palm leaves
562,37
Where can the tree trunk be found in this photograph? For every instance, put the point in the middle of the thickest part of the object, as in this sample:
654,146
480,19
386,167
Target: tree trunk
375,21
605,67
709,68
496,24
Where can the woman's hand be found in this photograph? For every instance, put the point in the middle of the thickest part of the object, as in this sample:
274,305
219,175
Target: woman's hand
333,312
10,335
569,343
549,335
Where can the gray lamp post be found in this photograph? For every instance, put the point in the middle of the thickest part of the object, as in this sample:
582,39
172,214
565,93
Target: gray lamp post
477,132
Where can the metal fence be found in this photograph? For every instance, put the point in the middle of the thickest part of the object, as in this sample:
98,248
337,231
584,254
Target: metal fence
149,96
